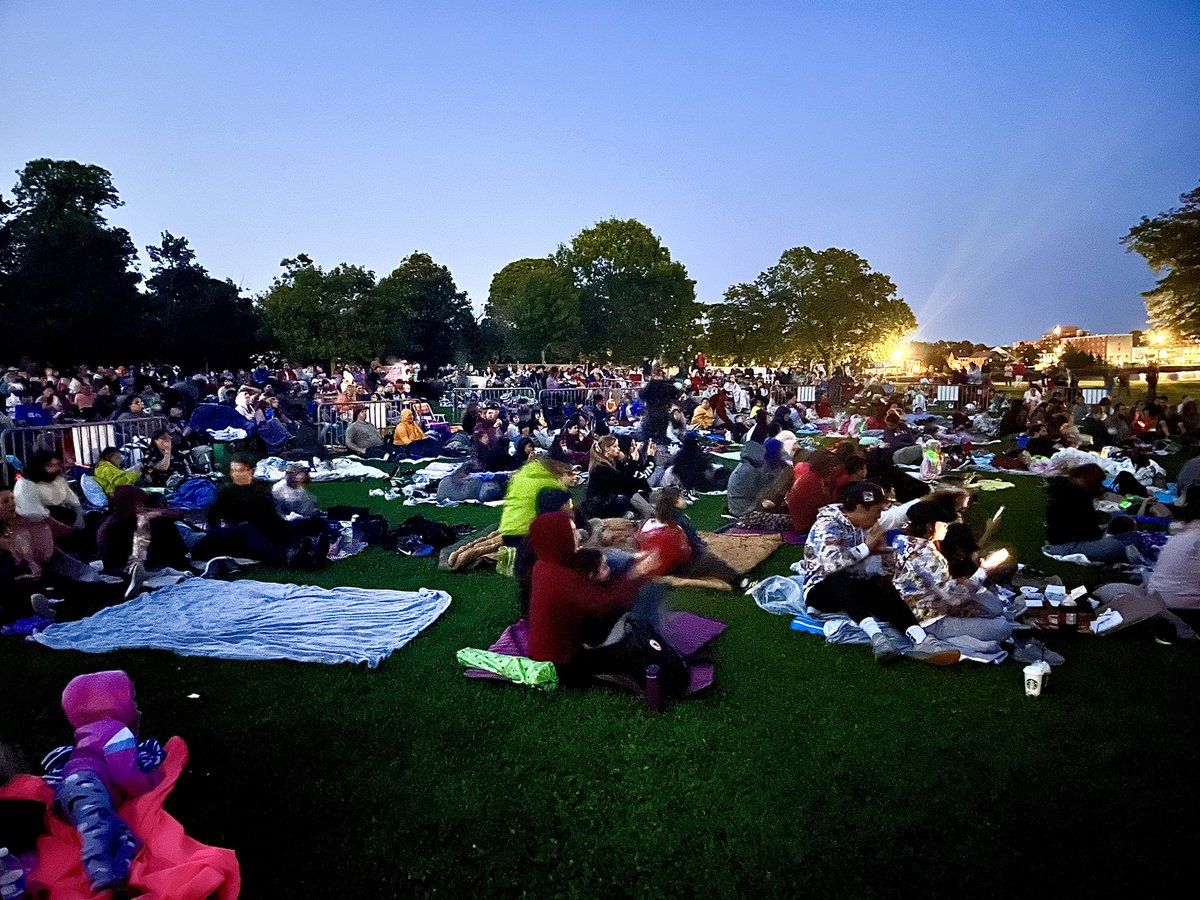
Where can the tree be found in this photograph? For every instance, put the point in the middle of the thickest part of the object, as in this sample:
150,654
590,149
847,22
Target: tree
203,322
633,298
321,316
68,286
425,317
536,305
745,328
1170,243
825,306
1078,359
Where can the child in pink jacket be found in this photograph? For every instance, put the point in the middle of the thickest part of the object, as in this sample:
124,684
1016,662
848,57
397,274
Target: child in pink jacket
104,770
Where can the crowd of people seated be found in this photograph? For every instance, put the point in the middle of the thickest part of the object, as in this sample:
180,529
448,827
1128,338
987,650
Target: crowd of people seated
884,542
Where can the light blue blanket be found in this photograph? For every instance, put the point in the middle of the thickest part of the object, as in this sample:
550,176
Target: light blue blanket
257,620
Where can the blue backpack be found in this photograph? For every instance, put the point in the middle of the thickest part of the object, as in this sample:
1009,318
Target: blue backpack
195,493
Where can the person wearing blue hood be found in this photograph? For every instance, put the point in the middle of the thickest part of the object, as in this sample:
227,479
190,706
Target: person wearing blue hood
760,463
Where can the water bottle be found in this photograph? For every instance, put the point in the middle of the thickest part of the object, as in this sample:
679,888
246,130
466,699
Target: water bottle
654,697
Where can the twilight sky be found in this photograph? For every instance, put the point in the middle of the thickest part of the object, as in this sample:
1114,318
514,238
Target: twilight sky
986,155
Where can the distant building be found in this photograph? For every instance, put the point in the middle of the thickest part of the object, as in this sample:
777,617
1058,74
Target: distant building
1111,349
1059,332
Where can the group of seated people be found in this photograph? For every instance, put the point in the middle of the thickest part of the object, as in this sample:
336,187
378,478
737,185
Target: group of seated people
49,534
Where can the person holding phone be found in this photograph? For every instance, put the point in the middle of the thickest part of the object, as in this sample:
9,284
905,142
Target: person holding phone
844,571
945,606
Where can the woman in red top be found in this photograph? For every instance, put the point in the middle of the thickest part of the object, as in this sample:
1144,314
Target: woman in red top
812,488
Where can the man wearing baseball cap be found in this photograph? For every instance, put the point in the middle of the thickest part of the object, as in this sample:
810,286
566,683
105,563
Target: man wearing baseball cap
843,572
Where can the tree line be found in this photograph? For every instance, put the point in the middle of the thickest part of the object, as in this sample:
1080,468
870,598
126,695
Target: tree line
71,291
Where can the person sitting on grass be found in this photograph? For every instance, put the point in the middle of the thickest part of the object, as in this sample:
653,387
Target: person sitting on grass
1074,525
843,572
363,438
681,550
691,470
164,461
243,522
945,606
812,488
43,494
291,494
703,416
109,474
574,603
614,479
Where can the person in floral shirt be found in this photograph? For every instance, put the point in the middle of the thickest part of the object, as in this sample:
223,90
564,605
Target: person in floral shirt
843,571
945,607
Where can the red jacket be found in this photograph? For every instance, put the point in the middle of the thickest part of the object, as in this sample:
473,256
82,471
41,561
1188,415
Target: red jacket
563,600
808,494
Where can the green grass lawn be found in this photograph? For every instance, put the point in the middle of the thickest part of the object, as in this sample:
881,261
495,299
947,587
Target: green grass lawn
806,770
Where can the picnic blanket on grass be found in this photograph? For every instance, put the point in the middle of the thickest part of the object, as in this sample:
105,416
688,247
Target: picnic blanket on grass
687,632
257,620
742,551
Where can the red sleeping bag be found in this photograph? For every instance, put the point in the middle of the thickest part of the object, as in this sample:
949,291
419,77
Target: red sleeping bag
170,865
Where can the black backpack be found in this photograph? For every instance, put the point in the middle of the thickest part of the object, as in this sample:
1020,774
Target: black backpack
436,534
640,646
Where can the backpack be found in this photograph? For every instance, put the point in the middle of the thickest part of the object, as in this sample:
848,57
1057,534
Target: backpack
638,646
435,534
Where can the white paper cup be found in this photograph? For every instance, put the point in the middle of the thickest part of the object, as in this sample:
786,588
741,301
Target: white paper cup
1035,679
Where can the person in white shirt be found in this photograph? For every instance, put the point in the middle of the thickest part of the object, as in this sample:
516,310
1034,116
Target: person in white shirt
1033,396
43,494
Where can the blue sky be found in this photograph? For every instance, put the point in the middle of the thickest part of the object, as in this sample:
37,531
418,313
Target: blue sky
988,156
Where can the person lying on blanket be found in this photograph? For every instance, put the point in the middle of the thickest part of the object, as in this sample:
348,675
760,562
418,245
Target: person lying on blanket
107,766
680,549
843,571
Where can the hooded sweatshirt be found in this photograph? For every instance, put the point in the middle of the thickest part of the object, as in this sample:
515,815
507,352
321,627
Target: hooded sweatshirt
747,479
102,710
408,430
563,601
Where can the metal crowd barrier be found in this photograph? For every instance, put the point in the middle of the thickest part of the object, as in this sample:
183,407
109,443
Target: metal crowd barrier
806,393
83,441
454,401
563,397
1092,396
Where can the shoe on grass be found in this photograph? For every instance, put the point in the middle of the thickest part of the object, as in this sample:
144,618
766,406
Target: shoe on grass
934,652
137,576
41,606
885,649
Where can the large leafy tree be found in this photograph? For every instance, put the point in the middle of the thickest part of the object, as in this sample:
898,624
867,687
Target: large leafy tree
815,306
536,305
1170,242
68,283
319,316
423,315
633,298
204,322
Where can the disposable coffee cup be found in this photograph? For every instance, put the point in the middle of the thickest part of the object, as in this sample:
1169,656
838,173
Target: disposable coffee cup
1035,680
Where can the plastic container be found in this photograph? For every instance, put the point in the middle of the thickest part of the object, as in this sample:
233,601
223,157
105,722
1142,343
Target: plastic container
1022,441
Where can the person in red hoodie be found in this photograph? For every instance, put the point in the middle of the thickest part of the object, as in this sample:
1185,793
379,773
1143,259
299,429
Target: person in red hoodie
571,600
812,488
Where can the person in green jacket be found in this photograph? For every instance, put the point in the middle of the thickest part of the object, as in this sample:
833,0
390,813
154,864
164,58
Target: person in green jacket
518,513
109,474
